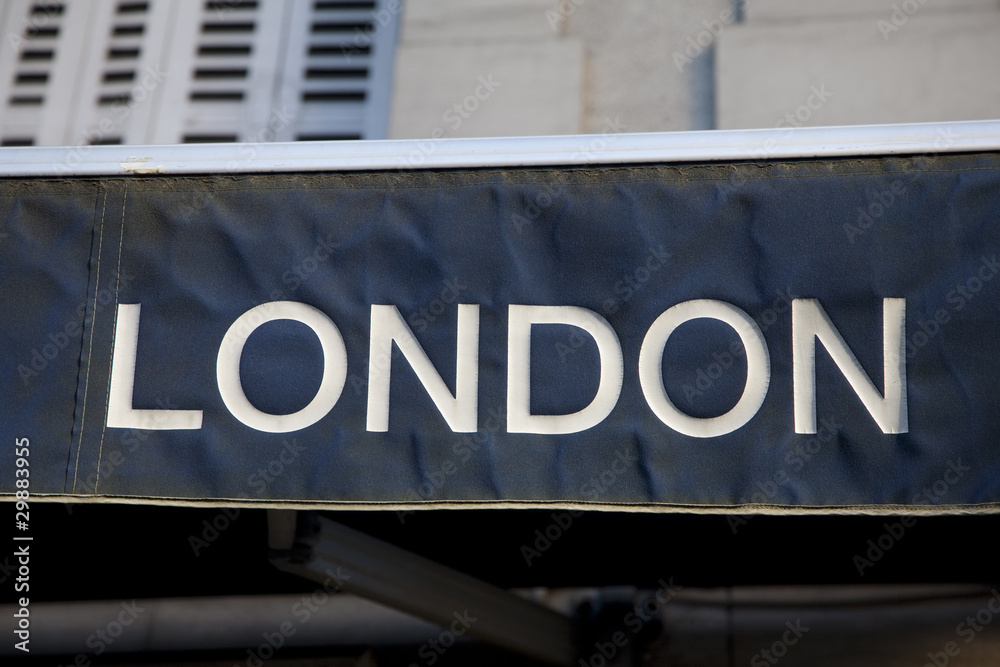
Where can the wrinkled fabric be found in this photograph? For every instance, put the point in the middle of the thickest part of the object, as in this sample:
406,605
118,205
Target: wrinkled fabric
625,242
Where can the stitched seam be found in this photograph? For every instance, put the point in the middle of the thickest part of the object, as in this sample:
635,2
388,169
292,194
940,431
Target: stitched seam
90,351
680,178
114,335
966,509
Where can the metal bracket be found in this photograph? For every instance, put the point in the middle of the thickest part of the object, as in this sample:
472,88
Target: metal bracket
325,551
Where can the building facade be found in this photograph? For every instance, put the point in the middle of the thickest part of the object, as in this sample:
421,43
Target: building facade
191,71
80,72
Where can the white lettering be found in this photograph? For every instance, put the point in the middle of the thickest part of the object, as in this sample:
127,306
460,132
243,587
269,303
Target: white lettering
121,414
460,410
651,368
231,351
519,417
809,322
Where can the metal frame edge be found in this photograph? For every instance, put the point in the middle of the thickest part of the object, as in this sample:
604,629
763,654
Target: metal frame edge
565,150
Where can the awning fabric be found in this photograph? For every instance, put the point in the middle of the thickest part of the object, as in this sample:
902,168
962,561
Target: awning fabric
854,238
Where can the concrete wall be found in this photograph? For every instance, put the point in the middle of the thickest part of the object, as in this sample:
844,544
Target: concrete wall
806,62
563,67
645,65
595,66
484,68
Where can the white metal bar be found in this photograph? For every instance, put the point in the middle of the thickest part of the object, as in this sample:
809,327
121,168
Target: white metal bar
569,150
266,65
77,28
13,17
168,109
395,577
234,623
381,66
151,71
286,103
82,70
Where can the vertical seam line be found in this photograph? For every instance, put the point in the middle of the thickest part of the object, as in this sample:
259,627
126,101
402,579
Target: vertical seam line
114,335
90,350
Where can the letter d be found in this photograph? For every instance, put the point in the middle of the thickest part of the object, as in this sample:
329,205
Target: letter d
519,417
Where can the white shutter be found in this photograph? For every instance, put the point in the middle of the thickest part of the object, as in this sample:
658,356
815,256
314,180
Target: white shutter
172,71
337,81
34,46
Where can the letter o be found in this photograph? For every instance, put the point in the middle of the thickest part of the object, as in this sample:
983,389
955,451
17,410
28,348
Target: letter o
334,367
651,368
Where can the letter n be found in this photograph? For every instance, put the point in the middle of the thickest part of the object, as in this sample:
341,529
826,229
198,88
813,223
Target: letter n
460,410
809,322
